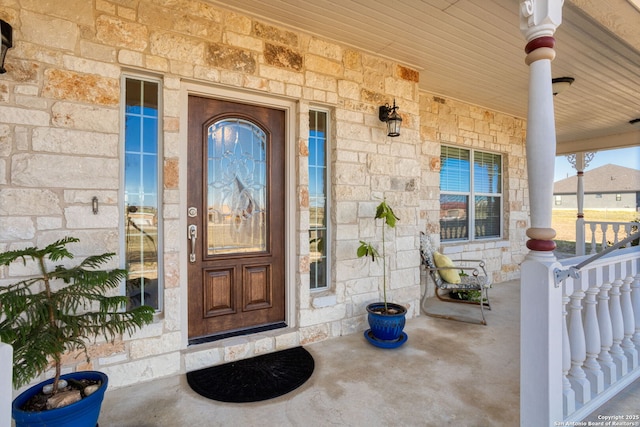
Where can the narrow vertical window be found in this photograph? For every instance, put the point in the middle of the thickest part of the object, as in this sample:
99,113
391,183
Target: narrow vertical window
318,201
141,192
455,192
487,195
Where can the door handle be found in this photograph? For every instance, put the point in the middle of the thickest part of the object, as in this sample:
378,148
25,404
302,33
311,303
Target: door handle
193,235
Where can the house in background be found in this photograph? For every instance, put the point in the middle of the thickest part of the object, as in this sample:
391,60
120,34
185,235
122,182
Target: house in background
610,186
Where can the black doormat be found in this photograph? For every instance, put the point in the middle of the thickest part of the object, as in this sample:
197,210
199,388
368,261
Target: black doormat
251,380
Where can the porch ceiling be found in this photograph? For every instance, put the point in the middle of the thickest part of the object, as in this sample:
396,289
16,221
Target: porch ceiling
472,50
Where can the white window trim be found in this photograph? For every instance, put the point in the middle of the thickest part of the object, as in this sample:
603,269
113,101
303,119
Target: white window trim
471,194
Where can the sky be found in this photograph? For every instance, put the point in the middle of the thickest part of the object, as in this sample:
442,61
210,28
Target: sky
627,157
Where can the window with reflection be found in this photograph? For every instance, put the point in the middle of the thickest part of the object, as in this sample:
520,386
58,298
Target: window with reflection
470,194
318,199
141,192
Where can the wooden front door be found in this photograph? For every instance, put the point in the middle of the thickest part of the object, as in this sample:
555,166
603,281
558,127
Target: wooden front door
235,217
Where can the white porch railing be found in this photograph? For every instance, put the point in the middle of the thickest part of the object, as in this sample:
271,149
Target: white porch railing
602,233
600,331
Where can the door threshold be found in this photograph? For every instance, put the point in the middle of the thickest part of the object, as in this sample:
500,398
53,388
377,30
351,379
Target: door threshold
237,333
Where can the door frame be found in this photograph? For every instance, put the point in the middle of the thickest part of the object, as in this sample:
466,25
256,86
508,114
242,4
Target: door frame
290,108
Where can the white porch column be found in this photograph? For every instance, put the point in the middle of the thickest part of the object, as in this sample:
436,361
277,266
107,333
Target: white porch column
541,380
580,161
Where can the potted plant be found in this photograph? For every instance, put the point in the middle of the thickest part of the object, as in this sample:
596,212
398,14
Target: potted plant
386,320
55,311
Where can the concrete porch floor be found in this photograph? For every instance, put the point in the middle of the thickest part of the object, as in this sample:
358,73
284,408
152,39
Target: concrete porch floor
447,373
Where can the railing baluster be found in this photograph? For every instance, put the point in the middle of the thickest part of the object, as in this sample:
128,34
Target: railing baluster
592,335
604,226
617,324
635,300
606,329
616,228
577,376
593,226
599,330
568,395
627,316
627,230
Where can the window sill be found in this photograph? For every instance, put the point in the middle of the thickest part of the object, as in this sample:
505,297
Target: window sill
322,301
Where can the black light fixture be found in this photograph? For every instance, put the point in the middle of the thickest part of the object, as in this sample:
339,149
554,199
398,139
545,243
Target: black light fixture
391,117
7,42
560,84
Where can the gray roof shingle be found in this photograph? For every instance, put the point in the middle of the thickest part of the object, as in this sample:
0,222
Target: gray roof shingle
604,179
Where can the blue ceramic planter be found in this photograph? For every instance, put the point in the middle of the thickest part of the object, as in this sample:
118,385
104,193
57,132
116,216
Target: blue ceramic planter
83,413
386,329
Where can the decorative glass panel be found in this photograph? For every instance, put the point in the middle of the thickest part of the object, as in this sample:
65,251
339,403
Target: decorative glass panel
237,185
141,192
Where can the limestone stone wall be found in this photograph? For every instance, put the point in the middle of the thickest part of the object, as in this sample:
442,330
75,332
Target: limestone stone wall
60,146
455,123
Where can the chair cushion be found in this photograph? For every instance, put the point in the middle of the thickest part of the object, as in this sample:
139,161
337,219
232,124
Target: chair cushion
451,276
468,282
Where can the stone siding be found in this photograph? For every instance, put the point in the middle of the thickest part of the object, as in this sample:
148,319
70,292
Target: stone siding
455,123
60,134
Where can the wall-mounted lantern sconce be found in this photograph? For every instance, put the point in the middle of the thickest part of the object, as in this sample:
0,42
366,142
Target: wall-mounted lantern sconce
7,42
388,114
561,84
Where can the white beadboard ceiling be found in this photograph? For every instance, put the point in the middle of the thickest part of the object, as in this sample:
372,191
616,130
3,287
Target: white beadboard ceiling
472,50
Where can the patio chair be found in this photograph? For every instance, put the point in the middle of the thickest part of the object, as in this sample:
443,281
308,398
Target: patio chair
450,278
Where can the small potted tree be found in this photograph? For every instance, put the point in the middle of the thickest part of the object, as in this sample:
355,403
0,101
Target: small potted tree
386,319
55,311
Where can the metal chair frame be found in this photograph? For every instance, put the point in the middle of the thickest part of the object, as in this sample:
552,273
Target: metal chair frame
475,278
